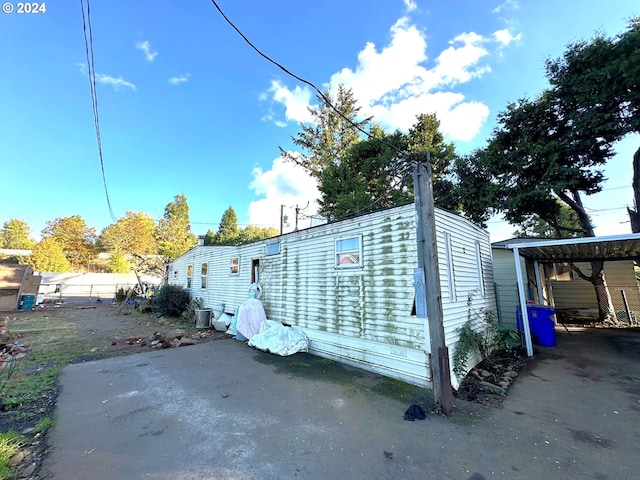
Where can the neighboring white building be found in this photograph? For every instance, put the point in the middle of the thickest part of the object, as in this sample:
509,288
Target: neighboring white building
88,286
349,285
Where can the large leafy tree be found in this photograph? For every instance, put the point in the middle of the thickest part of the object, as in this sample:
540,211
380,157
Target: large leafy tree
368,176
376,172
330,133
475,191
534,227
539,161
173,234
47,256
76,239
599,82
118,263
15,234
251,233
134,233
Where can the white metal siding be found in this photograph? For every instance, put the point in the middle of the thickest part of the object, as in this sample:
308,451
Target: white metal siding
360,316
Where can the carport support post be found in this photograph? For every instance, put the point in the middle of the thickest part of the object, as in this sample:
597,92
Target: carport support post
430,288
536,268
524,314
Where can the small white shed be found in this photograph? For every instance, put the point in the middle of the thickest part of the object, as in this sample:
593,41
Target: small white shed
350,285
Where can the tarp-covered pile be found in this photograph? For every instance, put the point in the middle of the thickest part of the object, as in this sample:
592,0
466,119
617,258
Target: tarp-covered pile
279,339
250,323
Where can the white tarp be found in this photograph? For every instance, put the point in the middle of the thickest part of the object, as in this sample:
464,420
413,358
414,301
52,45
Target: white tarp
250,316
279,339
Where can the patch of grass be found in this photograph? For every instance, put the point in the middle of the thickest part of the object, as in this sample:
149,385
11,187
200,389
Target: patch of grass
52,344
43,425
10,443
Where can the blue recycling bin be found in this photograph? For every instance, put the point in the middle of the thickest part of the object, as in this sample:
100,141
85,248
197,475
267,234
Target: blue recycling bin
541,324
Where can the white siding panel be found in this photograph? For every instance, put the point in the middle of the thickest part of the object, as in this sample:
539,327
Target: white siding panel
362,315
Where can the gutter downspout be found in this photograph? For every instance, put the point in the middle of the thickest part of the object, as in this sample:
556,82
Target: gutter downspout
523,303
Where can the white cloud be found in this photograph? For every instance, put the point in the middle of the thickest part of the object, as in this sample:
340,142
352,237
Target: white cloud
410,5
457,64
284,184
395,83
115,82
296,102
149,53
505,37
507,5
181,79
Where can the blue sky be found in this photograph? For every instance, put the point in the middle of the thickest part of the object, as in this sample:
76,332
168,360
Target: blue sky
186,107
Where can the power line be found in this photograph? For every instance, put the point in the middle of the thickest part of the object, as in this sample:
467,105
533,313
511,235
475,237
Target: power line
88,44
300,79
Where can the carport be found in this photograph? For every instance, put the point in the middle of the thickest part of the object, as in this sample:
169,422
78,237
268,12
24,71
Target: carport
605,248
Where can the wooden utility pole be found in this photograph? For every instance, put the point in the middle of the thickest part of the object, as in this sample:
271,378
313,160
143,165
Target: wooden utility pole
427,285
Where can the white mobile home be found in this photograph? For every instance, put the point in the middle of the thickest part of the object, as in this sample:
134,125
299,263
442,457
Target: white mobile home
349,285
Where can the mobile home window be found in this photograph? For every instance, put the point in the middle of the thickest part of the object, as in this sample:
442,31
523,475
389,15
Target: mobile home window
450,273
203,275
562,272
349,252
189,275
235,265
480,271
273,248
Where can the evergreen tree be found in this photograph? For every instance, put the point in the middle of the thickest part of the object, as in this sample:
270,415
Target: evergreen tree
228,230
330,132
376,172
173,234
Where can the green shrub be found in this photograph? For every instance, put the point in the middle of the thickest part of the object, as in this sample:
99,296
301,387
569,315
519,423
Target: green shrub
172,300
121,294
506,338
481,333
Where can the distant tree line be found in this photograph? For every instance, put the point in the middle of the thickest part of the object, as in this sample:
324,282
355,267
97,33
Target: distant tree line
134,241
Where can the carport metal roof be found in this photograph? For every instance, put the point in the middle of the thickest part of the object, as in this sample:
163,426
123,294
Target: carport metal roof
614,247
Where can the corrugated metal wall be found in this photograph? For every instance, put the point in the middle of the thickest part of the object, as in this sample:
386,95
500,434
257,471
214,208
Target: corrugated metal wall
362,315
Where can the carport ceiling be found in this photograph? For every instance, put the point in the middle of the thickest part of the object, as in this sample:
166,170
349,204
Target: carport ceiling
615,247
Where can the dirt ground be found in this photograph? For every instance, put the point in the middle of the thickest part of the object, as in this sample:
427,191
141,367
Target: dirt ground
82,333
572,410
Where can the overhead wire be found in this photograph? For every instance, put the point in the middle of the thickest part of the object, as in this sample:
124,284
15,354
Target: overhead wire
300,79
91,73
398,170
